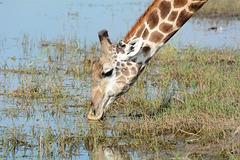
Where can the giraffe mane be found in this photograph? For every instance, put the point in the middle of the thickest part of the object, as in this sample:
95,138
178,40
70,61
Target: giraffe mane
141,20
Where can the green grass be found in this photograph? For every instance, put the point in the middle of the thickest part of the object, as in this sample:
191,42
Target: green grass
221,8
184,105
203,104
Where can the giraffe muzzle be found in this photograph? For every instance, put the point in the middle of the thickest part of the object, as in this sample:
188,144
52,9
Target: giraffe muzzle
91,116
95,113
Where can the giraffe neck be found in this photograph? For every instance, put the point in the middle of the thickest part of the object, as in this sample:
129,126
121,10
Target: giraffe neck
159,23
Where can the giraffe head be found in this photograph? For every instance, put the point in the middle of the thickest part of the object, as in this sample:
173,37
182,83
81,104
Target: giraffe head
120,65
113,74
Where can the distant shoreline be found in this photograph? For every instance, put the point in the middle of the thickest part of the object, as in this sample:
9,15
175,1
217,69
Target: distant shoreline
220,8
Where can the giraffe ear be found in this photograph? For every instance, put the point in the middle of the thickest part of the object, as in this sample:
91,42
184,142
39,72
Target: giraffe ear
133,47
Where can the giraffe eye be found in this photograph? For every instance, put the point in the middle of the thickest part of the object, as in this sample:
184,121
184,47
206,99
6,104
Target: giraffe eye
107,73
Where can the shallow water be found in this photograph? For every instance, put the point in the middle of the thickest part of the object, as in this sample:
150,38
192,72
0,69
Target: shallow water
83,19
24,25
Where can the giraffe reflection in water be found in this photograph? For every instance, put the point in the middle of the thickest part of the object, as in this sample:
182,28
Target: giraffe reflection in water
102,152
102,145
120,65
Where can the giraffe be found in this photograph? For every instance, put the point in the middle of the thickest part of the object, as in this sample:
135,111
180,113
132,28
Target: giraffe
120,65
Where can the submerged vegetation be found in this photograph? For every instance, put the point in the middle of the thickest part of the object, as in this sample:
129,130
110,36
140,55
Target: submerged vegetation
185,105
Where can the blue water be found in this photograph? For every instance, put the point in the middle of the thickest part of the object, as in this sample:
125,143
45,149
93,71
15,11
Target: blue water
53,19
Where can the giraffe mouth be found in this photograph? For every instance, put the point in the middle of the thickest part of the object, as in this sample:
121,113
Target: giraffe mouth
97,113
91,115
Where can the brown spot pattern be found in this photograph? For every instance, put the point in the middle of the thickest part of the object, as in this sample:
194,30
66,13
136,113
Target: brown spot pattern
139,65
133,71
173,16
179,3
129,64
165,8
125,72
165,27
140,30
146,50
140,21
169,36
121,79
195,6
145,34
153,19
183,18
156,37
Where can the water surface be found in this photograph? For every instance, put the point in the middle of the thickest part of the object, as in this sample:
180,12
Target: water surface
24,25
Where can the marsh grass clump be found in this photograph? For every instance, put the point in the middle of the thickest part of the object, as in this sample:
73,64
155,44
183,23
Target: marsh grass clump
46,75
30,88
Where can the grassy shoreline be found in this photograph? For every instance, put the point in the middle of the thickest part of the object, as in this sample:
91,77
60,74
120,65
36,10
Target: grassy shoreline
220,8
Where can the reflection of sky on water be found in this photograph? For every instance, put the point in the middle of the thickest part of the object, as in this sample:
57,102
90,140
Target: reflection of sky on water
53,19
